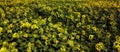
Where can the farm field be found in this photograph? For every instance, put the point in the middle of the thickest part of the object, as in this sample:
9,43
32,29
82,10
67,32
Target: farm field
59,26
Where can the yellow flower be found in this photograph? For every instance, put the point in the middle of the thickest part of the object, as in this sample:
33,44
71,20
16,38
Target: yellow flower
3,49
79,24
1,10
14,21
14,50
78,49
63,48
35,35
116,44
83,16
59,24
1,29
50,19
41,31
34,26
71,17
83,32
117,38
5,21
29,47
94,29
77,37
47,28
88,26
26,24
108,35
3,15
91,37
44,37
74,33
10,26
49,35
66,30
55,26
112,23
12,9
60,34
25,14
43,21
70,10
70,42
5,43
99,46
48,8
56,41
72,38
12,45
60,30
9,31
50,24
29,50
15,35
53,36
83,22
59,7
46,42
64,38
25,35
35,21
118,49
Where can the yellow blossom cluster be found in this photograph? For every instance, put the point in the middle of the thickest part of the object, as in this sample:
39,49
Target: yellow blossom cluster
59,26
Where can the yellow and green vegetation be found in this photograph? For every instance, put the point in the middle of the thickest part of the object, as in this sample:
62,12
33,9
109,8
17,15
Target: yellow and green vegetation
59,26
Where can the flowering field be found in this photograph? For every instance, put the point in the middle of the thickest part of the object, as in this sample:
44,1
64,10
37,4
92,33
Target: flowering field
59,26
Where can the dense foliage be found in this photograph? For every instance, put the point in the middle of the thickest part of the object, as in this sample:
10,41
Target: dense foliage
59,26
